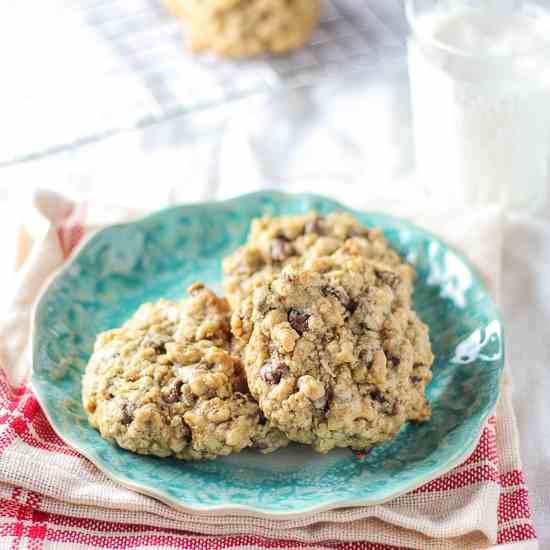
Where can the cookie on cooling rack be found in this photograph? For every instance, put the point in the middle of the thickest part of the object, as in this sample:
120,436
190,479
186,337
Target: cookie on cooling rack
244,28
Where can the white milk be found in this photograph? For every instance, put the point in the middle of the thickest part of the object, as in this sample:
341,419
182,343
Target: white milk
481,104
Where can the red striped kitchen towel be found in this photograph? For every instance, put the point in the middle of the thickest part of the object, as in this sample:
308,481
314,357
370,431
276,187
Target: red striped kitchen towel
51,497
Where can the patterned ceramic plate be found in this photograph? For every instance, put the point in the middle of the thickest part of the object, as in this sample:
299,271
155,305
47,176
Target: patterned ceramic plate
125,265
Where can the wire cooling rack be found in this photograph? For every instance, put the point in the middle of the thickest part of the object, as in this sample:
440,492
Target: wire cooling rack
122,65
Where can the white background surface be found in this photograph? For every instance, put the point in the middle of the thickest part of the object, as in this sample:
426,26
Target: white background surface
348,138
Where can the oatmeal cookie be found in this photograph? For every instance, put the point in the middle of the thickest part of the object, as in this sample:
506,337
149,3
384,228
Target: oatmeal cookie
244,28
165,384
336,358
275,243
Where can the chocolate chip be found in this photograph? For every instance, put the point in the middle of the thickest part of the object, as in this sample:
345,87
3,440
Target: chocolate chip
389,277
416,379
395,361
392,410
281,249
173,392
315,226
377,395
160,349
298,320
352,306
127,418
339,293
272,373
329,395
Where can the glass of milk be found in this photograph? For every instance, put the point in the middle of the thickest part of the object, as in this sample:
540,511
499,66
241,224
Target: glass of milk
480,88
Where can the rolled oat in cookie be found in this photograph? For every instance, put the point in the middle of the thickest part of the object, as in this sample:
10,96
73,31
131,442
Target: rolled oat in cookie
204,316
166,384
336,357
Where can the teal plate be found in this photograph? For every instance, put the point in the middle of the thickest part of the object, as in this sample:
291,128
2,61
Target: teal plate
122,266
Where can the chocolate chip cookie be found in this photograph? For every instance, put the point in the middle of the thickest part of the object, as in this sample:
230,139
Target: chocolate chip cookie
275,243
336,357
166,384
244,28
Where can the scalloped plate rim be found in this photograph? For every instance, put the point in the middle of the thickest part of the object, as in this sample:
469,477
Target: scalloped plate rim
237,509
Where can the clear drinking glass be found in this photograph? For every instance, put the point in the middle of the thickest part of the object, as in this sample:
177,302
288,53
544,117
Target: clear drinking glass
480,89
